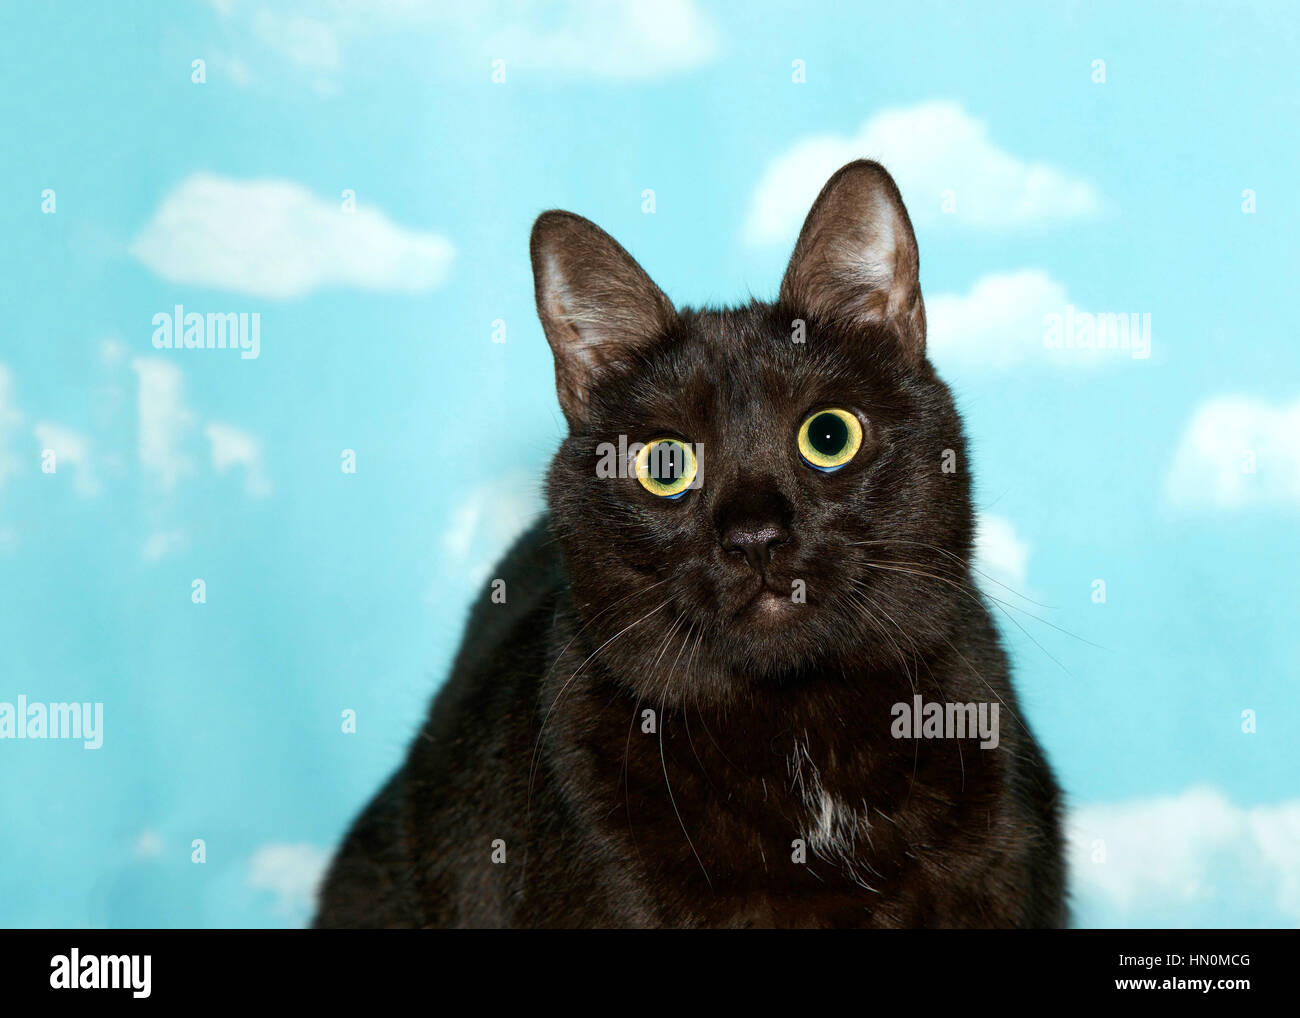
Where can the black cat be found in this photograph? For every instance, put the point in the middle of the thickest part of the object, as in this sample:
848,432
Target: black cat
684,714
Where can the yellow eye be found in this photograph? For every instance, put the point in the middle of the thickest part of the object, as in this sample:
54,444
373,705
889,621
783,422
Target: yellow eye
666,467
829,438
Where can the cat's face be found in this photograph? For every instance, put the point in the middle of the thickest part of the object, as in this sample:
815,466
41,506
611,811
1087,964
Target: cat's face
828,520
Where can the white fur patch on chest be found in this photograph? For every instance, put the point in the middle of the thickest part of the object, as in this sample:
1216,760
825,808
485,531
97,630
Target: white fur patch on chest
837,831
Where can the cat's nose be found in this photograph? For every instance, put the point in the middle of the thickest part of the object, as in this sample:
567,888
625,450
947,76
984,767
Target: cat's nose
754,542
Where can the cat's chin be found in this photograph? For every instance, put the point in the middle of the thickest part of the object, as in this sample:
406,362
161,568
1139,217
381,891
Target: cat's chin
769,640
767,607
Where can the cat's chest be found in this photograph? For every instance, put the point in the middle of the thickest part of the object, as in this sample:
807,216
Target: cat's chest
733,820
685,811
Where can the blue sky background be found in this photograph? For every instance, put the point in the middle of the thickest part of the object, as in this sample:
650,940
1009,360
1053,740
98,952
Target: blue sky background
329,591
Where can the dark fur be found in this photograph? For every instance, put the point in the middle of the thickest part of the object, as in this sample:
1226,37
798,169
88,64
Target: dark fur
619,601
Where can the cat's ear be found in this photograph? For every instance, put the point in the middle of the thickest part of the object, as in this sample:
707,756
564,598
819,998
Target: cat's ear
855,262
596,303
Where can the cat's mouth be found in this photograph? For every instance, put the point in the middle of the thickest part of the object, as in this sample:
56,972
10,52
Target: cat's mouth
768,602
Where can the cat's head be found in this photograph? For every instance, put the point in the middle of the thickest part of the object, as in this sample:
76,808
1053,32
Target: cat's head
829,465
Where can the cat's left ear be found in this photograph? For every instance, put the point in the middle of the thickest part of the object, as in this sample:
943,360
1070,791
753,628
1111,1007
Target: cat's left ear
597,305
855,262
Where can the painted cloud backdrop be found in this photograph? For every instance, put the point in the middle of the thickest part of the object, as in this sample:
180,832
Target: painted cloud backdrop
362,177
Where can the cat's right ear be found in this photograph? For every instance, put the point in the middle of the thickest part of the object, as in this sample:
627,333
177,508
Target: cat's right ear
855,262
597,305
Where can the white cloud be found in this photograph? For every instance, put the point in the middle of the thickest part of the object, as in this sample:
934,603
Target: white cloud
232,447
233,69
163,421
111,352
930,149
485,522
71,449
603,39
1237,452
998,324
274,238
1025,318
1173,854
1000,552
624,39
10,419
160,544
292,872
308,42
148,845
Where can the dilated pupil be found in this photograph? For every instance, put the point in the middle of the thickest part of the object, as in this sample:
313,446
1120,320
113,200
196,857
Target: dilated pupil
828,434
667,463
